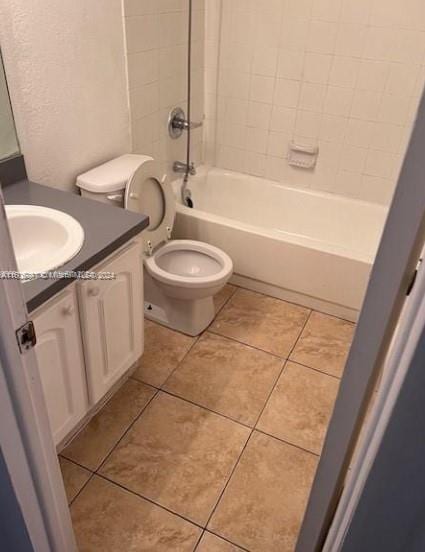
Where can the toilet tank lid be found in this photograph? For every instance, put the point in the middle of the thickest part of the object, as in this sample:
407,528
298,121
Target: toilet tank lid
113,175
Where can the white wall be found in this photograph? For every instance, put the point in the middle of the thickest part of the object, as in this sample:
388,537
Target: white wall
345,75
157,49
66,69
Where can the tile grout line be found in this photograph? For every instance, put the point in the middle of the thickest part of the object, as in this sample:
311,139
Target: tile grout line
198,542
218,334
150,500
92,474
228,481
224,539
180,362
225,416
283,369
126,431
197,338
295,304
338,378
287,442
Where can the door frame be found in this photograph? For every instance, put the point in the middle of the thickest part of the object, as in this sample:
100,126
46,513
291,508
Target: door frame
392,273
25,436
407,344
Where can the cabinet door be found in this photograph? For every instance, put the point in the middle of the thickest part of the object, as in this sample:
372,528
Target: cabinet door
61,363
112,321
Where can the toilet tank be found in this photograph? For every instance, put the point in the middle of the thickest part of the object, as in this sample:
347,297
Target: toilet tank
107,182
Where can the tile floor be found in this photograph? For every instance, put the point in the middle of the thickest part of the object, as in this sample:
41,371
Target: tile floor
213,443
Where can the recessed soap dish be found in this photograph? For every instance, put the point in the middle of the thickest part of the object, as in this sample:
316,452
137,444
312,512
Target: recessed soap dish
302,156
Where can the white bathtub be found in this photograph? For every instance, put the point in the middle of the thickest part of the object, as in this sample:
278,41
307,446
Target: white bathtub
309,247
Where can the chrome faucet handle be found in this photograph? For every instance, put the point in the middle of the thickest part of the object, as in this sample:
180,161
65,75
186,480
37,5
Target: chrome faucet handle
182,124
177,123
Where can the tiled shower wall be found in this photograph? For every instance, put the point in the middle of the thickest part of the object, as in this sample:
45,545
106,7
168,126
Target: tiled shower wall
345,75
157,51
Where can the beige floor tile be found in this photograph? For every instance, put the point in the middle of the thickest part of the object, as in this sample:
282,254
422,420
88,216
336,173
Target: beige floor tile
98,438
263,505
109,519
211,543
324,344
227,377
221,298
264,322
74,477
300,407
164,349
178,455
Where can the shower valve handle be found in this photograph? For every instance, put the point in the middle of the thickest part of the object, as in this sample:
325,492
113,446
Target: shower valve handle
177,123
182,124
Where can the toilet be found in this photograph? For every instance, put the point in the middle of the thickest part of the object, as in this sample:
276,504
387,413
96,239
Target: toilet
181,277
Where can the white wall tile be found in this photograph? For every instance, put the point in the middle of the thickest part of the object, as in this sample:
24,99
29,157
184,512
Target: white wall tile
322,37
344,74
290,65
338,101
317,68
262,89
312,97
287,92
350,39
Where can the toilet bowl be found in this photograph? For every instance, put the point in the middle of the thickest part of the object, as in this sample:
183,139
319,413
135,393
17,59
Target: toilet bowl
181,277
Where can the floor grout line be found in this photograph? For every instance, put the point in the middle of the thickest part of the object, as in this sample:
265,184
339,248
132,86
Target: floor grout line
198,542
295,304
287,442
140,495
125,432
228,480
315,369
235,340
224,304
92,474
226,540
208,409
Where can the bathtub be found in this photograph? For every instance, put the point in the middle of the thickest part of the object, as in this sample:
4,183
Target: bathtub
308,247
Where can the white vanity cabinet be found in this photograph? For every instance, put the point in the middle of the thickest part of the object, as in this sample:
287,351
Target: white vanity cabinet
88,337
61,362
111,314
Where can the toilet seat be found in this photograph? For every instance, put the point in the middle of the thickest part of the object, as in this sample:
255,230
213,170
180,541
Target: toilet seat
189,264
149,192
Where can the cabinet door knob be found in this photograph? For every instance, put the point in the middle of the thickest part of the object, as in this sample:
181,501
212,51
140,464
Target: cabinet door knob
94,291
68,310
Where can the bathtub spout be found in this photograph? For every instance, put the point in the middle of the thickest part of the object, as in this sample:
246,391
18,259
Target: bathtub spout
180,167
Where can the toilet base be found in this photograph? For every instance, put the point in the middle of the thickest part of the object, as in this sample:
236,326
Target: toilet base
191,317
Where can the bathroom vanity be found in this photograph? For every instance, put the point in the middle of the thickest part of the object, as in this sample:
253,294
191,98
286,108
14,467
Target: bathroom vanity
89,332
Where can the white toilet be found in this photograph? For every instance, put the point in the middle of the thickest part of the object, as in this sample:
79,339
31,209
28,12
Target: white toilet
181,276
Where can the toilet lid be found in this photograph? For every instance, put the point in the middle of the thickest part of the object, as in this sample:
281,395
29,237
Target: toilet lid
148,192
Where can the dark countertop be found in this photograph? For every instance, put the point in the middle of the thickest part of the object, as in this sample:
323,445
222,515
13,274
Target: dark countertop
106,228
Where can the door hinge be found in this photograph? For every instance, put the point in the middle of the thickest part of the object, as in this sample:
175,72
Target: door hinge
413,279
26,337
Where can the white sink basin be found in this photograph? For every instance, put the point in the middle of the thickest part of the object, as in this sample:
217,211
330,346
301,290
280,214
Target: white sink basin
43,239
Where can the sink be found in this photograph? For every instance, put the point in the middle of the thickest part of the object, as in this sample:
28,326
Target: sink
43,239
